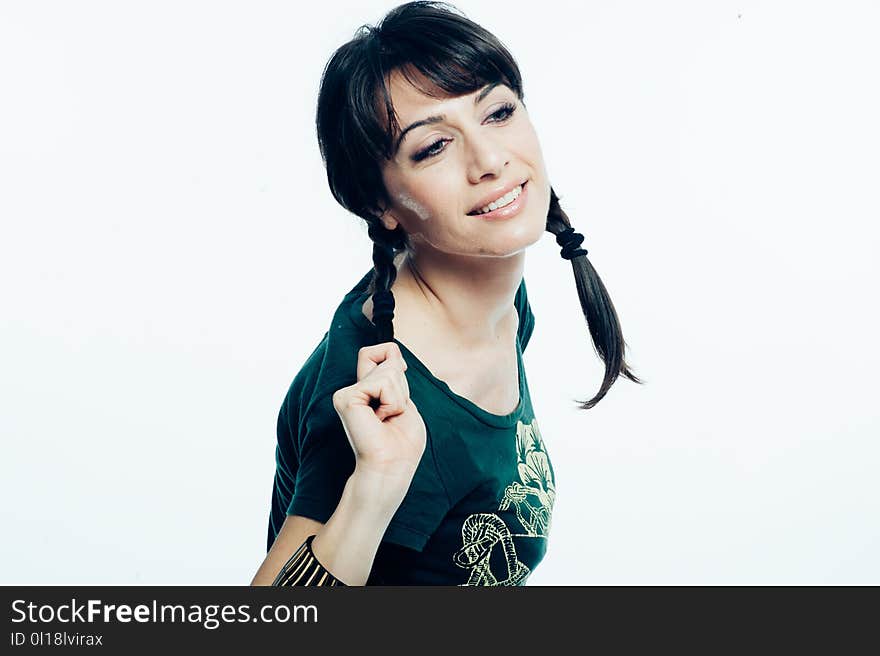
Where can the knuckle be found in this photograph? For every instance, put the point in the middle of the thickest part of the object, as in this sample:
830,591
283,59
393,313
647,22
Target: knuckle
340,397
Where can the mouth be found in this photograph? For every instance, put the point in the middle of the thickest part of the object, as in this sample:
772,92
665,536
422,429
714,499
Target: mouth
506,206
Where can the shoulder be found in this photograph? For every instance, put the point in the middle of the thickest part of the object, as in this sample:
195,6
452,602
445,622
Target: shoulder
331,364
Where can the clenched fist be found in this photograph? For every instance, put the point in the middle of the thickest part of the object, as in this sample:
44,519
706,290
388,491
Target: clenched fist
388,441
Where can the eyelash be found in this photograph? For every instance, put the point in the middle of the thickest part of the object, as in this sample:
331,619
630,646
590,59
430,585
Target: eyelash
508,108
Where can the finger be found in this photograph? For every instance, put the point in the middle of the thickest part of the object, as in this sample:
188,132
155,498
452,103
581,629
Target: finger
391,399
396,401
370,357
396,381
404,384
379,391
393,409
390,380
401,385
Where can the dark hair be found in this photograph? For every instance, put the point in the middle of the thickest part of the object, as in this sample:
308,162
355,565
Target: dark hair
355,135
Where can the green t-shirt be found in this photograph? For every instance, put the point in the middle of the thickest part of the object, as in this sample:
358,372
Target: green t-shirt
479,508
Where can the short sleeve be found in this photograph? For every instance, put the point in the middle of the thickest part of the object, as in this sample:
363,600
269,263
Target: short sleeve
526,318
325,462
423,508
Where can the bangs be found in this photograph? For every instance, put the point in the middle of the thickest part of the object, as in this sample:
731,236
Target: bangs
437,50
439,58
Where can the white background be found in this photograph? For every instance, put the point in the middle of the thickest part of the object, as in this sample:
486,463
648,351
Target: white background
170,254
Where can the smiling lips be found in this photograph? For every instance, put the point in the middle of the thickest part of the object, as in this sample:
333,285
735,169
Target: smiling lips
507,205
506,199
498,197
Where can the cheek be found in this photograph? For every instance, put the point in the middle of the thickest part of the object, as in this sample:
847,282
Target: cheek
429,198
530,145
414,206
525,143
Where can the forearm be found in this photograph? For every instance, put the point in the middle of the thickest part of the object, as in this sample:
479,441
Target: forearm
347,544
363,513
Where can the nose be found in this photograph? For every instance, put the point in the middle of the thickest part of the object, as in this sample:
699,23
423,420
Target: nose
488,157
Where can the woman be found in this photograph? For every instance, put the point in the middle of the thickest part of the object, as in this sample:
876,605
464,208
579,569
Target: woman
408,452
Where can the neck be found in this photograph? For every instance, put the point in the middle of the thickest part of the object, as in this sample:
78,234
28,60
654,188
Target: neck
468,298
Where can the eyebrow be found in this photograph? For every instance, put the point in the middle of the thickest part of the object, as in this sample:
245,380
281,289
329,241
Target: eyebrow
441,117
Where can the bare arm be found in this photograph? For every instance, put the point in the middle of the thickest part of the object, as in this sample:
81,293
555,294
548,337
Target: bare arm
293,533
388,442
346,545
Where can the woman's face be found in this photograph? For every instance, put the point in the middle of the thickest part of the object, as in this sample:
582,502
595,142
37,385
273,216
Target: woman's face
483,145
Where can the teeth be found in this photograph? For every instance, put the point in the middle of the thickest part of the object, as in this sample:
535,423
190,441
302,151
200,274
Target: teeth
506,199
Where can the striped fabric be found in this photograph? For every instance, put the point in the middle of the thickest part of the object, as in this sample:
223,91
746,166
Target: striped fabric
304,569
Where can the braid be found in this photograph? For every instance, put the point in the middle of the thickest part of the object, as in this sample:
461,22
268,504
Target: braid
595,303
385,244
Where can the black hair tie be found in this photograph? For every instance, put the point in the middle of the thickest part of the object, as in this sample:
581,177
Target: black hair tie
383,305
570,240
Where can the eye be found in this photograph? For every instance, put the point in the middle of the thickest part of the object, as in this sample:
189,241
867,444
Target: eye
430,151
504,112
499,116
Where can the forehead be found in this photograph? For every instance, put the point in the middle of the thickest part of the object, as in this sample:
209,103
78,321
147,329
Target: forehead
411,94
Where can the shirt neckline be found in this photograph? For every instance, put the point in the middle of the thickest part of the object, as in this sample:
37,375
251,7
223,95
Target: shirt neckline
356,315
